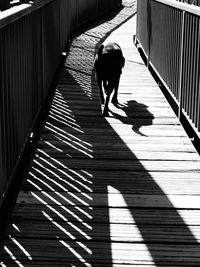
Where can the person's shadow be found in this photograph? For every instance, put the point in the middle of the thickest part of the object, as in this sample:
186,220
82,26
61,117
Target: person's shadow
136,114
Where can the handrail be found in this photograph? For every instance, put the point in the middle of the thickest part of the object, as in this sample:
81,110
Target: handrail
181,6
14,13
10,15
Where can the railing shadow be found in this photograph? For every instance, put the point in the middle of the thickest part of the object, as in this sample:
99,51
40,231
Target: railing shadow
97,205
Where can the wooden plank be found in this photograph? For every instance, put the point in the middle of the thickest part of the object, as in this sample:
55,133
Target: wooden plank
51,136
99,215
117,199
118,232
123,253
113,165
57,151
149,130
59,142
42,181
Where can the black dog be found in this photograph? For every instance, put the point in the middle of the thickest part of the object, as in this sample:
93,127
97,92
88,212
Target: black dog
108,65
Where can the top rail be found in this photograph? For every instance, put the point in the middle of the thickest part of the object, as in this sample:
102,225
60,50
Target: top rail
16,12
10,15
181,6
191,2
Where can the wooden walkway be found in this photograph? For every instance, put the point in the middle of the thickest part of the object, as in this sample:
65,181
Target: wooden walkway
119,191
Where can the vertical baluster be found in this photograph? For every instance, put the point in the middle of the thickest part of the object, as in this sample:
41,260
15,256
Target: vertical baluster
192,69
181,64
196,94
2,144
198,83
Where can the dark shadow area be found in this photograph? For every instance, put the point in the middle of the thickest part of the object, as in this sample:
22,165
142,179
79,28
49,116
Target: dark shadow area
88,199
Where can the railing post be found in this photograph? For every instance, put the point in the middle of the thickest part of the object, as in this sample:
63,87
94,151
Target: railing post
148,30
59,25
77,17
198,113
181,65
42,55
2,173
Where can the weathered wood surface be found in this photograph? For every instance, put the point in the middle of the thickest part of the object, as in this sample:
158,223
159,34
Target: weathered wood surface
119,191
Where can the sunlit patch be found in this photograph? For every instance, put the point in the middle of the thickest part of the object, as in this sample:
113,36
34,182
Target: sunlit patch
59,226
15,227
84,151
55,176
53,180
65,120
66,123
86,214
89,251
89,227
80,141
66,113
59,110
49,207
21,247
63,115
65,135
36,186
72,141
46,184
59,204
87,196
79,230
87,173
78,199
63,109
75,253
134,235
61,171
66,175
53,146
13,257
63,106
75,180
83,78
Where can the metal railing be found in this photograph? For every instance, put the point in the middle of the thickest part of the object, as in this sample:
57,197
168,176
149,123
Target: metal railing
32,38
191,2
169,34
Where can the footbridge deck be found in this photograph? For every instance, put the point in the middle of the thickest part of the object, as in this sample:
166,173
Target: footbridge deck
116,191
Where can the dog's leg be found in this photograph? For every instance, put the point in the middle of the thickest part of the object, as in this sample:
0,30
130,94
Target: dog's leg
101,94
99,82
105,111
115,95
108,92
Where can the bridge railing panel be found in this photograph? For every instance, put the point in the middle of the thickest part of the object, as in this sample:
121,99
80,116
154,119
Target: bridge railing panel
169,34
20,99
32,38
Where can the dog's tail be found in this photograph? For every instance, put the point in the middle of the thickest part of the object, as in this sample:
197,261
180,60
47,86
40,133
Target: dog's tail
100,50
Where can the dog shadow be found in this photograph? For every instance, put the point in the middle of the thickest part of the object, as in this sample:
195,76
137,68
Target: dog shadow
135,114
